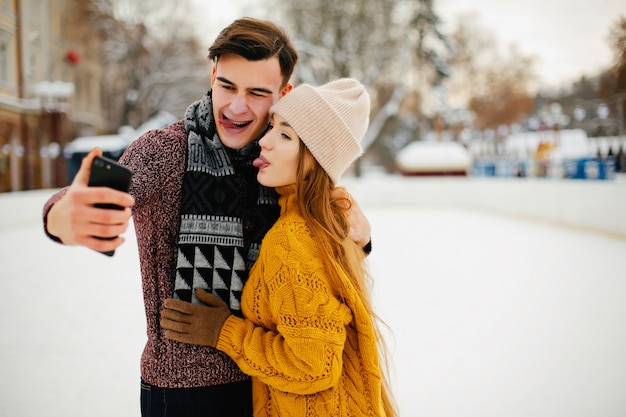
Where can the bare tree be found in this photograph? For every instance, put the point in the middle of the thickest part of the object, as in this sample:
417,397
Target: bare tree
497,87
617,39
392,46
340,39
152,59
617,94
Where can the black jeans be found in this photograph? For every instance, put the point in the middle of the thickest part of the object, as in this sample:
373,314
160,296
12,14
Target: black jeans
228,400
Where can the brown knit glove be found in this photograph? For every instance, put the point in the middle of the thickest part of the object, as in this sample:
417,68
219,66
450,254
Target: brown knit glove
195,324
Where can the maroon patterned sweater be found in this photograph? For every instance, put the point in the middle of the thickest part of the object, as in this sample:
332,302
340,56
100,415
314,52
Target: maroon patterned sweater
158,162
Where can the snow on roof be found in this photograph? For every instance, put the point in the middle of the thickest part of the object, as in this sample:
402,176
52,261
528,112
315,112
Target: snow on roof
119,142
433,156
108,143
158,121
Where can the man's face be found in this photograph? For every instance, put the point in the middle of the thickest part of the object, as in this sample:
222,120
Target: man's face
243,92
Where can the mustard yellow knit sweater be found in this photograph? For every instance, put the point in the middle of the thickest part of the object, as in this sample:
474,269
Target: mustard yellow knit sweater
308,353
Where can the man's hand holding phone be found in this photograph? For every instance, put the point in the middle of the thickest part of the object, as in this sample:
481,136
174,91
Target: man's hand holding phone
79,217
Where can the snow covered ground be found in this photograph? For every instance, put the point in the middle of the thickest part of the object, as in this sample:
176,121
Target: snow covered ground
488,316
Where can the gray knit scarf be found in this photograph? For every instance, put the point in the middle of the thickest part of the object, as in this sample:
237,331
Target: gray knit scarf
224,212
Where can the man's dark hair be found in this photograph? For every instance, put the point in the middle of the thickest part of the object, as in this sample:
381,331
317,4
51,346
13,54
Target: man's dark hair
256,40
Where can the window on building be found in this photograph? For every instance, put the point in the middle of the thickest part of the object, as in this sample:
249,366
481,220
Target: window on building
4,57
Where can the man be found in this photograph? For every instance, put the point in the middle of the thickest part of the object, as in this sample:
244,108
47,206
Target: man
199,215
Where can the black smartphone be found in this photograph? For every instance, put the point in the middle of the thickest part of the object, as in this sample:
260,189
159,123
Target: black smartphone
106,172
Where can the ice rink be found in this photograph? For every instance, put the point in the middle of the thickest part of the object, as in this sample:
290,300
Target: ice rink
489,315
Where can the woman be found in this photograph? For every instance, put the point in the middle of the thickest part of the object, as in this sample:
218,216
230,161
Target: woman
309,338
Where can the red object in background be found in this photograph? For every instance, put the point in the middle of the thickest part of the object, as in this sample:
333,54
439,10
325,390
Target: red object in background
73,56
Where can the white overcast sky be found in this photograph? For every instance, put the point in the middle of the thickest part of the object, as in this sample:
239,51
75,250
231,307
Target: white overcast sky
568,37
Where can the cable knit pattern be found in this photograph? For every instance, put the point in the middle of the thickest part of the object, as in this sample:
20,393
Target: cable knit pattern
309,353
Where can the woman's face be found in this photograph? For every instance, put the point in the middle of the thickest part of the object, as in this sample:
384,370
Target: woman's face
278,162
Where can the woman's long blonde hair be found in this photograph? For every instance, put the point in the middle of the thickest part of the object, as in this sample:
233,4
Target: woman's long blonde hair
326,216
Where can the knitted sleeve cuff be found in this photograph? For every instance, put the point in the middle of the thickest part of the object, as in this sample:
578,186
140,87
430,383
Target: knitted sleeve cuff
46,208
228,333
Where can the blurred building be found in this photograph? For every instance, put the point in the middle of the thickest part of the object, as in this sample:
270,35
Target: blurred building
50,76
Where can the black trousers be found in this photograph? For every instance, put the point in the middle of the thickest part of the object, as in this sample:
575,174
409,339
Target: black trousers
228,400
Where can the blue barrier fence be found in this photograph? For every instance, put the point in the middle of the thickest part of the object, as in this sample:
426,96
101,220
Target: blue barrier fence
591,168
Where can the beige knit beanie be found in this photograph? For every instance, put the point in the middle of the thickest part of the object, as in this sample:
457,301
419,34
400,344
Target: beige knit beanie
331,120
